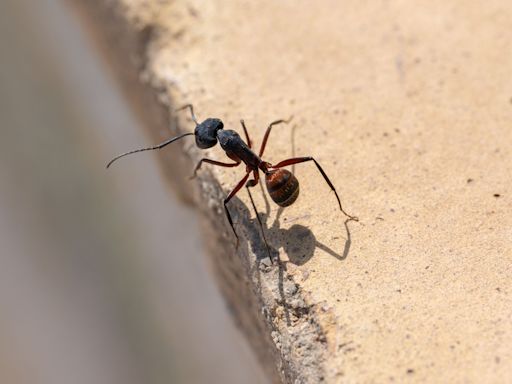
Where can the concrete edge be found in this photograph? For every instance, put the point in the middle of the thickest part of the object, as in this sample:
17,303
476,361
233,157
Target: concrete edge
282,325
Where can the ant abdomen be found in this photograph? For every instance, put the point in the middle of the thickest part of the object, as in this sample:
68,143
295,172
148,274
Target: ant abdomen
282,186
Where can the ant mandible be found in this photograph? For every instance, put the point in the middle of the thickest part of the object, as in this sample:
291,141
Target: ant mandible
282,185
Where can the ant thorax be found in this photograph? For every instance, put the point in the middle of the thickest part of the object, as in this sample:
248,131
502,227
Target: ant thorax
236,148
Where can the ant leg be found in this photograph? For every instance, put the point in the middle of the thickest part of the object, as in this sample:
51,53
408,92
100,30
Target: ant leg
250,184
255,181
230,196
267,133
246,133
220,164
298,160
191,107
267,205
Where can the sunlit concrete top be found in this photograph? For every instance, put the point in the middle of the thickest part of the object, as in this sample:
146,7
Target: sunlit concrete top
407,106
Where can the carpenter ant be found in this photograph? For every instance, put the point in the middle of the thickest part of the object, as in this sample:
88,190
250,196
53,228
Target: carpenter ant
282,185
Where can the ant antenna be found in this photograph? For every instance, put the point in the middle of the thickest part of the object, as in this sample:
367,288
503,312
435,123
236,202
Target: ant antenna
191,107
159,146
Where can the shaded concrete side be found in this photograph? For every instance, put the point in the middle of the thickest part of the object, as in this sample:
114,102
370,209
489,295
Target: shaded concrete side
102,275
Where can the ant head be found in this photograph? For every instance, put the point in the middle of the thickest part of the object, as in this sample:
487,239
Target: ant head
206,132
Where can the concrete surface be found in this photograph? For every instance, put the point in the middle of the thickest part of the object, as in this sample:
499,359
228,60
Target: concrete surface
407,105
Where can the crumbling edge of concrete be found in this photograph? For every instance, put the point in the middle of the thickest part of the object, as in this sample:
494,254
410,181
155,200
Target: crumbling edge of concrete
283,327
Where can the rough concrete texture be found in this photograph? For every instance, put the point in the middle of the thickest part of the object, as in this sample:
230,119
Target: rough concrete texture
407,106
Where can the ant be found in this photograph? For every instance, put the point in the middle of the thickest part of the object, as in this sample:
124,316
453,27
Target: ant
282,185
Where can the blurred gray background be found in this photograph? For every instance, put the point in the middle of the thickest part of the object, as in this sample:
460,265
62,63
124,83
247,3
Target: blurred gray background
102,273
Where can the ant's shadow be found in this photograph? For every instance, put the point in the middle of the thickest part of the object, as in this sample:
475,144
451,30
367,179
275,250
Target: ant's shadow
298,241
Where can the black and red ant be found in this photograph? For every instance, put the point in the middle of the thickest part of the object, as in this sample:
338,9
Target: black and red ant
282,185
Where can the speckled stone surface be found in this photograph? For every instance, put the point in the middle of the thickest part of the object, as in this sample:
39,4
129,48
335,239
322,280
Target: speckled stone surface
408,108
